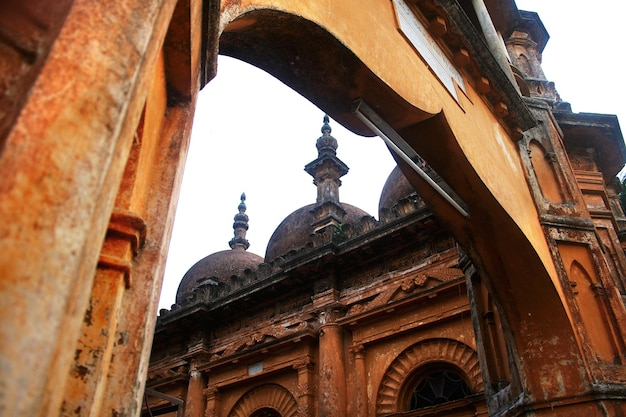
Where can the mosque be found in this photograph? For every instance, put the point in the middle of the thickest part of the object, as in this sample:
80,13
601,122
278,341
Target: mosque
343,312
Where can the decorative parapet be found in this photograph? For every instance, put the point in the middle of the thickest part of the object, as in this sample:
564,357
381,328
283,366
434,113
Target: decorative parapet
212,293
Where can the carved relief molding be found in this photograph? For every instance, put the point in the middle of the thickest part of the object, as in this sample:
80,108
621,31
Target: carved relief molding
179,371
267,334
408,285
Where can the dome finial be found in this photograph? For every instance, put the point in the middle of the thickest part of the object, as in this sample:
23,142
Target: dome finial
240,226
326,144
326,127
242,206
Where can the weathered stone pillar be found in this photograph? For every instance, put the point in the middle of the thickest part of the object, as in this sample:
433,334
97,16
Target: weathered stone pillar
361,380
61,165
332,375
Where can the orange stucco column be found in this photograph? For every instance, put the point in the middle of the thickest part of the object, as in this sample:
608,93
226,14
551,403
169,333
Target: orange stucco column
61,165
332,375
95,348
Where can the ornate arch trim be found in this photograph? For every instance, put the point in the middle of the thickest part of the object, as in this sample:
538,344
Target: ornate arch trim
265,396
434,350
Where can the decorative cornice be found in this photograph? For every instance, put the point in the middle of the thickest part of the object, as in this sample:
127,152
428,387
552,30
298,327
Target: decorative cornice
268,334
507,102
566,222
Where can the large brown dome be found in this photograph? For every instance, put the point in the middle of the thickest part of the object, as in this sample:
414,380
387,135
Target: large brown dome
219,267
296,231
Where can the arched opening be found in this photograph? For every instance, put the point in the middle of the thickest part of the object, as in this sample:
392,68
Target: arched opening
433,385
307,57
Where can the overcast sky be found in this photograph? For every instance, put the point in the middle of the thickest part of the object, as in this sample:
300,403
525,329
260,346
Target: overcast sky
253,134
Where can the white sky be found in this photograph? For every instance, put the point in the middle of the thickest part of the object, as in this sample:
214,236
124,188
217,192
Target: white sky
253,134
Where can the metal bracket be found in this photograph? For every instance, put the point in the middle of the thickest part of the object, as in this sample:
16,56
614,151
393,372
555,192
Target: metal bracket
398,145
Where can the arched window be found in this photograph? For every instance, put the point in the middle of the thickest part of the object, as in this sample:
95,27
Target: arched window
437,388
435,384
411,369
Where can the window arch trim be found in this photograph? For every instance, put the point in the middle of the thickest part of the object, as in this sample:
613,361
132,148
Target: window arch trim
401,370
269,396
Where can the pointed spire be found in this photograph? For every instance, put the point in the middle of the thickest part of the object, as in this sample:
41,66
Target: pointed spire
240,226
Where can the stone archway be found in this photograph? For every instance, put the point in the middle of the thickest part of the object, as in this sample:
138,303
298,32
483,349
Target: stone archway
331,67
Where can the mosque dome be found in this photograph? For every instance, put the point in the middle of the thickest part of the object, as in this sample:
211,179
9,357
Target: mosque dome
220,266
296,231
396,189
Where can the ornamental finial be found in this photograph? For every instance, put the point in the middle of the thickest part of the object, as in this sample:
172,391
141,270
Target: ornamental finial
240,226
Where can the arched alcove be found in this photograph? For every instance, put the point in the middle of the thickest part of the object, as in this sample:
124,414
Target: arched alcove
590,297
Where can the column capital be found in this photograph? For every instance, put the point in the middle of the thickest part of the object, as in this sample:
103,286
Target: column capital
330,314
358,351
211,392
197,361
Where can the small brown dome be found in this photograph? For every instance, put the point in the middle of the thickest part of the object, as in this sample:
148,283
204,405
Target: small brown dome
219,267
396,188
296,231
